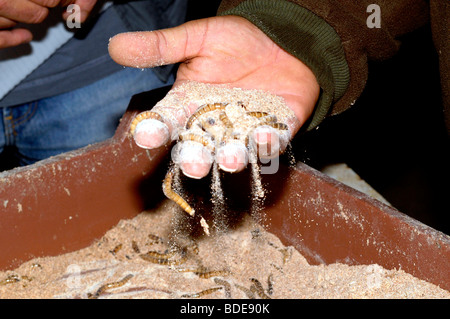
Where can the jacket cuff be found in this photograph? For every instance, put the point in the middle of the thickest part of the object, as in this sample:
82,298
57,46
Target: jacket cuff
307,37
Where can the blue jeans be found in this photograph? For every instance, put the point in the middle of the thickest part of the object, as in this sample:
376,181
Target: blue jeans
65,122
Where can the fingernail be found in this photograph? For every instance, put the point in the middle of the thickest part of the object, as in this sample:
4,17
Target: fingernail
232,157
195,160
151,133
266,141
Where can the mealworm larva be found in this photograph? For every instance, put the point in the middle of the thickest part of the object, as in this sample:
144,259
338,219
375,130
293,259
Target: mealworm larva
204,109
248,292
194,248
119,283
264,117
246,141
163,261
199,139
286,254
135,247
277,268
9,280
278,126
116,249
167,189
144,116
267,120
213,273
226,285
156,254
226,120
270,284
36,265
201,293
111,285
258,288
241,104
156,239
257,114
228,125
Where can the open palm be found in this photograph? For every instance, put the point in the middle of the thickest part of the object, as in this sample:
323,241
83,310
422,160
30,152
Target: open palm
221,50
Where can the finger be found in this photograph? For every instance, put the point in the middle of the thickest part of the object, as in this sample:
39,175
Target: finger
160,47
6,23
268,142
65,3
152,129
194,159
85,6
23,11
47,3
11,38
232,157
151,133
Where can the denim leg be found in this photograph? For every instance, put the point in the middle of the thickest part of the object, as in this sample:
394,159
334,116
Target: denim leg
84,116
12,117
2,130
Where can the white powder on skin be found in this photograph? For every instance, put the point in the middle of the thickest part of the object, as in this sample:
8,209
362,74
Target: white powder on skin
187,97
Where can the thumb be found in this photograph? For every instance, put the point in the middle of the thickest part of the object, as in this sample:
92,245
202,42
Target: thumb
154,48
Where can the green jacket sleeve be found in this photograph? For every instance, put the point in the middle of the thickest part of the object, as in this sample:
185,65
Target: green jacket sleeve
332,38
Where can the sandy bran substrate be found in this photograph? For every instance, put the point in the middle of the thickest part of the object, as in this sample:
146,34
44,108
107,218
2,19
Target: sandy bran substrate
179,104
238,255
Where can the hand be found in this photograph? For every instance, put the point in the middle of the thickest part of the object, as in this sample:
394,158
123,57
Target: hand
86,7
31,12
220,50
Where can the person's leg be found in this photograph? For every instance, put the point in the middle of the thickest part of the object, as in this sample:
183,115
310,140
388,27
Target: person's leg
5,162
75,119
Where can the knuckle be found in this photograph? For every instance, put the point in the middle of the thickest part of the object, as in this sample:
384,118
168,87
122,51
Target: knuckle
39,16
3,5
51,3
